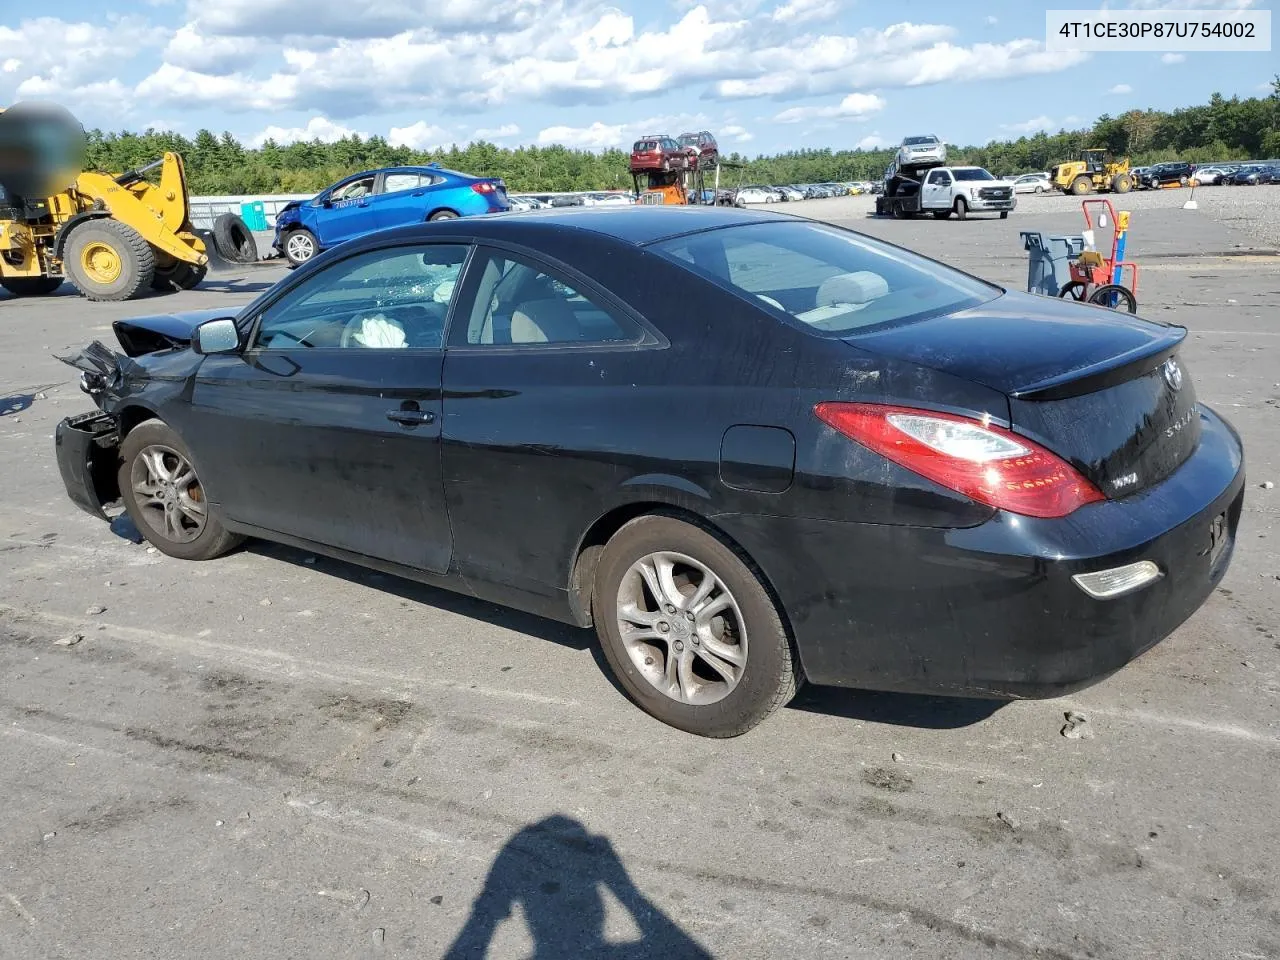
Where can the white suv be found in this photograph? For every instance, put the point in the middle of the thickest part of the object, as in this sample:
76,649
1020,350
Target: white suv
916,150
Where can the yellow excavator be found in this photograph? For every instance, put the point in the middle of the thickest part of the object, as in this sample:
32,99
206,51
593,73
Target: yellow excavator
114,236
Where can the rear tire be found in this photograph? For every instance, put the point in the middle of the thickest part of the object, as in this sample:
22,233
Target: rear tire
1122,183
30,286
443,215
108,260
717,678
168,515
233,239
962,209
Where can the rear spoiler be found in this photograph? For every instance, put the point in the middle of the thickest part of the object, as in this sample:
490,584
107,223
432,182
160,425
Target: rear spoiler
1088,379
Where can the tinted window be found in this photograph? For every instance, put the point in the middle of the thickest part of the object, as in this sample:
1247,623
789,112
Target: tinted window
361,187
973,174
830,281
689,140
939,177
645,146
396,297
916,141
519,302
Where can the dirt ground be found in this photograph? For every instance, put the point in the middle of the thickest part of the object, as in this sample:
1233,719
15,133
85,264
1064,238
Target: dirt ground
274,755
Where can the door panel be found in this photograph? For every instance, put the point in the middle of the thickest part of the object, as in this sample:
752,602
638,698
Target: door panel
328,426
349,214
404,200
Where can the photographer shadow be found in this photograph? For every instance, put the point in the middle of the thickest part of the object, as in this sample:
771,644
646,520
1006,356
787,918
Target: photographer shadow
557,873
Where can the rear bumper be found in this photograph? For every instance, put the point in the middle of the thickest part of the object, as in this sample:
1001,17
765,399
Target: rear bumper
87,447
992,610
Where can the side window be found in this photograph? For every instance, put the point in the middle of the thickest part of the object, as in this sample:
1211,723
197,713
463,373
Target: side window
520,302
397,297
395,182
353,190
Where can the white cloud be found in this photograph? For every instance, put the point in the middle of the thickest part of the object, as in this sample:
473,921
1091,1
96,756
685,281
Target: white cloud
1172,58
598,136
734,133
873,141
1033,125
496,133
178,86
1070,119
419,136
802,11
854,107
12,65
1121,88
317,128
992,21
74,62
1192,4
213,54
356,20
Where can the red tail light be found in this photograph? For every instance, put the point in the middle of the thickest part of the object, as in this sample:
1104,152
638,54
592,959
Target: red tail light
980,460
483,186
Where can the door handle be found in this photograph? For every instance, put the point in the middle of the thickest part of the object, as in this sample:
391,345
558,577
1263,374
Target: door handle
419,193
411,416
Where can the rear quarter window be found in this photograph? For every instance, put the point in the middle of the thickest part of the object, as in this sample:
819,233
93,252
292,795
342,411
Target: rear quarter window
827,281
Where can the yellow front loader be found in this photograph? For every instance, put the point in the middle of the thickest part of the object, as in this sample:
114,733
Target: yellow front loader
113,236
1094,172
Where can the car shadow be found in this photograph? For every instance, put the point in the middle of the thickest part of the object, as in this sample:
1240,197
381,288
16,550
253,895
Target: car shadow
235,286
897,709
21,401
557,873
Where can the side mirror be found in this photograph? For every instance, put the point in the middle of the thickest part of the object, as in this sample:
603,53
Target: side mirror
216,336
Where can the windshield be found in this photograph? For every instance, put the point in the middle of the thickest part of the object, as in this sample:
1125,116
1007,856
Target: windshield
828,281
689,140
915,141
972,173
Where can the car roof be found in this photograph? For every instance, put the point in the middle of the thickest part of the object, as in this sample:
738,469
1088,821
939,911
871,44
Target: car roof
637,225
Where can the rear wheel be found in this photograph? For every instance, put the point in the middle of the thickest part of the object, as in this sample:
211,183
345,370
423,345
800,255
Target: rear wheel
1081,185
1122,183
108,260
1073,290
300,246
688,629
1116,297
962,209
1039,189
30,286
443,215
165,498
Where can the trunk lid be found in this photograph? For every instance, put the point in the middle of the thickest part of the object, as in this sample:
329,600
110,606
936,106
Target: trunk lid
1104,390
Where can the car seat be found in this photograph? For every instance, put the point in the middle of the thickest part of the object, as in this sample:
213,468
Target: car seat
544,321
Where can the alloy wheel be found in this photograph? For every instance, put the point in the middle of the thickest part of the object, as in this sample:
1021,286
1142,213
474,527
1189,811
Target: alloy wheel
300,247
168,493
682,628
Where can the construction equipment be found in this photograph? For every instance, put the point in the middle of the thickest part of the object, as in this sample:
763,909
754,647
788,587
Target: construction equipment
112,236
1093,172
1101,279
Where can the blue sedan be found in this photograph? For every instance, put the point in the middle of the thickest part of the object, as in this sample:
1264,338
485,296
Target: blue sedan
377,199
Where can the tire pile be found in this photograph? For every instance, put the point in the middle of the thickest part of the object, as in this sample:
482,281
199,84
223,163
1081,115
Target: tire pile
231,240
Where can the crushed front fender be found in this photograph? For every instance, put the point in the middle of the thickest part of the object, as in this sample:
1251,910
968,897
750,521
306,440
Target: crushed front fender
88,448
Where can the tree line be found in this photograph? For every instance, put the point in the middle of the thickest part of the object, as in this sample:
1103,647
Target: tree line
1223,129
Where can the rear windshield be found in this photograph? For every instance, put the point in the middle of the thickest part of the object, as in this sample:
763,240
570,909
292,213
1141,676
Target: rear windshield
829,281
916,141
645,146
689,140
972,174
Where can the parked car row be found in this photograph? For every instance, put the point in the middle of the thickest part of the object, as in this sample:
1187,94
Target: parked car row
1250,173
757,193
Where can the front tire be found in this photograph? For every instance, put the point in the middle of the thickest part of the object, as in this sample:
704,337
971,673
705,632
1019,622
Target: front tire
164,497
1081,186
30,286
689,631
962,209
1122,184
108,260
300,246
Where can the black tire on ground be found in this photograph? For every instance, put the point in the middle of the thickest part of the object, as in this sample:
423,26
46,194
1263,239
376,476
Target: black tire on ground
178,276
1122,183
770,673
898,212
1004,214
1073,290
962,209
108,260
300,245
154,436
443,215
233,239
1125,300
1081,186
30,286
942,214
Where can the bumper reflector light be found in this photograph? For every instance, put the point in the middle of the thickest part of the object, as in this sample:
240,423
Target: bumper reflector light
1109,584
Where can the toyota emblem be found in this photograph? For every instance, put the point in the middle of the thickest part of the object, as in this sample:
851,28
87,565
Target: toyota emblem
1173,374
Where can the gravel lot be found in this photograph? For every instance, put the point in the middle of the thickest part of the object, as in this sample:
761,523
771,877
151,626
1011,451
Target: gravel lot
273,755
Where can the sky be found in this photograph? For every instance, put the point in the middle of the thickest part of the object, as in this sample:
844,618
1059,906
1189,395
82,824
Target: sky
763,75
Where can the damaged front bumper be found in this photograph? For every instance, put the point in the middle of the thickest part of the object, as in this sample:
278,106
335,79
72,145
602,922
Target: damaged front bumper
88,448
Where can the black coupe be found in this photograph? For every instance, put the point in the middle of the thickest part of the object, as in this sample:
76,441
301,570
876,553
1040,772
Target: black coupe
749,449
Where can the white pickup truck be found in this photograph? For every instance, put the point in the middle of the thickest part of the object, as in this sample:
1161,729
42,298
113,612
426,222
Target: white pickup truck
944,191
